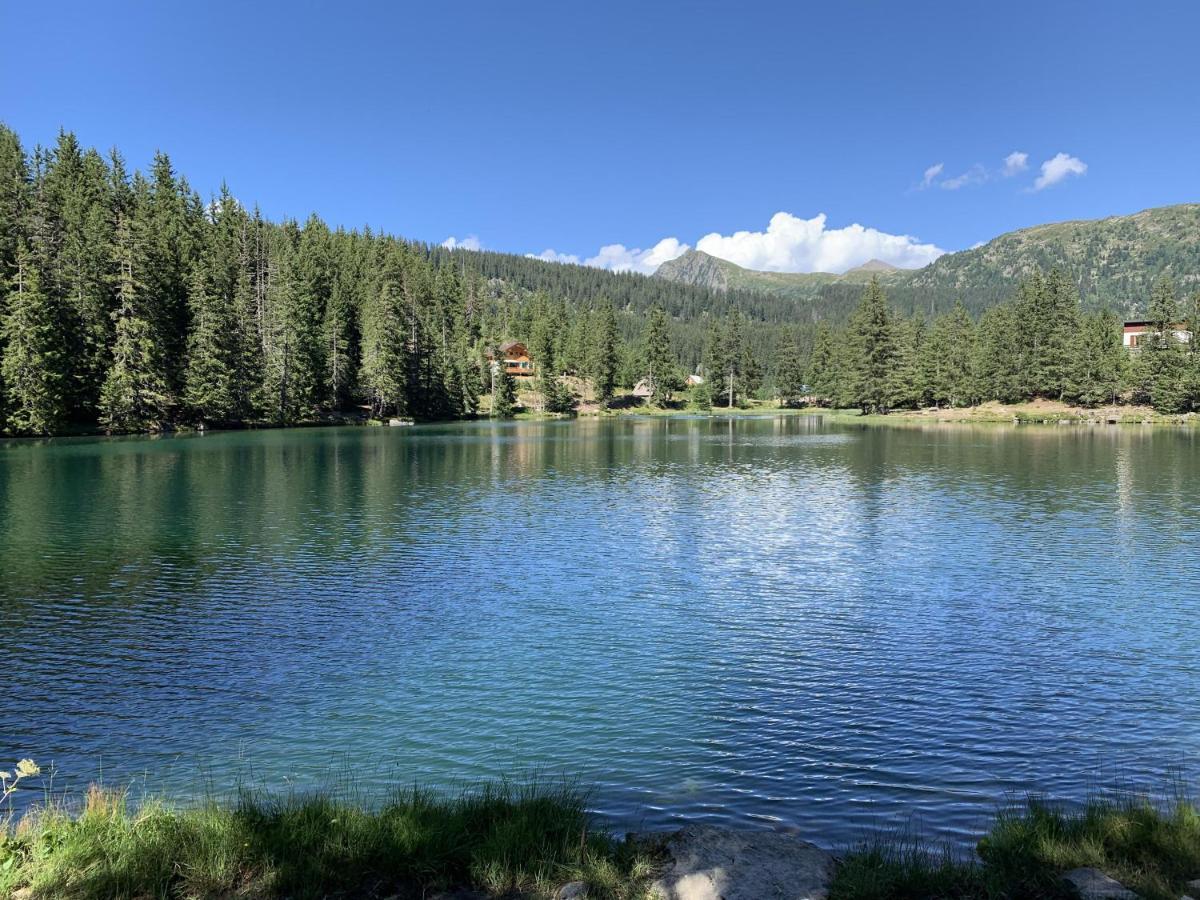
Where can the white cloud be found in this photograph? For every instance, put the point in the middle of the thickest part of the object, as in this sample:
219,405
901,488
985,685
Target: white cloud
619,258
930,174
552,255
792,244
1014,163
470,242
1056,169
977,174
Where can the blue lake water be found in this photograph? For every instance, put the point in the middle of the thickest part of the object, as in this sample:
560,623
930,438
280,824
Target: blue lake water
770,622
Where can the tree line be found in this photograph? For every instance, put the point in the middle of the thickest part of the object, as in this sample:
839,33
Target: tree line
131,304
1039,344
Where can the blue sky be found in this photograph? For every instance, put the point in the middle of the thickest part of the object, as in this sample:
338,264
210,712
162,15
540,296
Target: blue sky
573,126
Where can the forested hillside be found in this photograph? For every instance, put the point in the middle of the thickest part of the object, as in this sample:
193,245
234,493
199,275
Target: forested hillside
1112,262
131,303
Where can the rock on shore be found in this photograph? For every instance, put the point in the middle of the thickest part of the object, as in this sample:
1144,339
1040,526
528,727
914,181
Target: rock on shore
710,863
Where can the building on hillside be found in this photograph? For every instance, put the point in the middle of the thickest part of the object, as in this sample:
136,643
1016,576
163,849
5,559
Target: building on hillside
515,357
1137,333
693,380
643,389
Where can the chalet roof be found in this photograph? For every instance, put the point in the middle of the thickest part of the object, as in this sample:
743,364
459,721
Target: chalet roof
509,346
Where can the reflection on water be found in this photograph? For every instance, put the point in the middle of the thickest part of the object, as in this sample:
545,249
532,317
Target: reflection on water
773,621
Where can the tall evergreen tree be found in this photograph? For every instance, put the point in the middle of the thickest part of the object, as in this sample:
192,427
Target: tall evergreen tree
384,344
34,367
1164,359
947,360
876,355
136,395
504,397
293,361
1098,361
657,364
604,359
823,375
790,370
1000,354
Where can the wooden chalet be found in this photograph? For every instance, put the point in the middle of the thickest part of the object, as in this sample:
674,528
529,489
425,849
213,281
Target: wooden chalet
515,357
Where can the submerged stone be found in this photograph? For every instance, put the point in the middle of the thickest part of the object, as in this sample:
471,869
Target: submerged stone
710,863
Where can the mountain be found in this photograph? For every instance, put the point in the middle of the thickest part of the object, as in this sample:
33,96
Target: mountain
1114,261
698,268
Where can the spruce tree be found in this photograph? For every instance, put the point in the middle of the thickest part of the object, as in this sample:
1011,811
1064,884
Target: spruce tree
947,360
136,395
657,364
822,376
293,373
876,355
504,399
790,374
34,366
604,358
384,346
1000,353
1164,357
211,388
1098,361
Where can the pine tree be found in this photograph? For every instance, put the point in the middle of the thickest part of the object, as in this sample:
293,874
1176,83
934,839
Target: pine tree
293,360
1098,361
384,346
790,375
210,382
876,355
1000,353
557,396
947,360
135,395
657,364
906,377
1164,357
34,368
78,187
604,359
823,376
504,398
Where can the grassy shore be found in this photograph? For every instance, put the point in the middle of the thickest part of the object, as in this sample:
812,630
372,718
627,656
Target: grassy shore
1152,849
500,839
509,841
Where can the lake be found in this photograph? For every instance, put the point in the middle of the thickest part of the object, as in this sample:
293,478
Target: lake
767,622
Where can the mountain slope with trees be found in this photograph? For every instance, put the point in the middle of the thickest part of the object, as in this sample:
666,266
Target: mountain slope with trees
1113,263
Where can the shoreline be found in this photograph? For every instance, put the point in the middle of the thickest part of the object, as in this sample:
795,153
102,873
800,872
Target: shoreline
537,841
992,413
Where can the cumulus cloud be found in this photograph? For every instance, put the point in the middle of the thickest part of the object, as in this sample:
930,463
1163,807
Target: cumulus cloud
619,258
470,242
1057,168
930,174
1015,163
792,244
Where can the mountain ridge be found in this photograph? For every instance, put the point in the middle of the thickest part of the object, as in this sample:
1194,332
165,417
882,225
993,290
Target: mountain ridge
1114,260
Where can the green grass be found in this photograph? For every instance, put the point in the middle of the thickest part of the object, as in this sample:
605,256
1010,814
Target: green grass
1151,848
501,839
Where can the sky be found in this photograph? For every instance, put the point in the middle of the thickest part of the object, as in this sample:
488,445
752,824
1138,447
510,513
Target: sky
782,136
